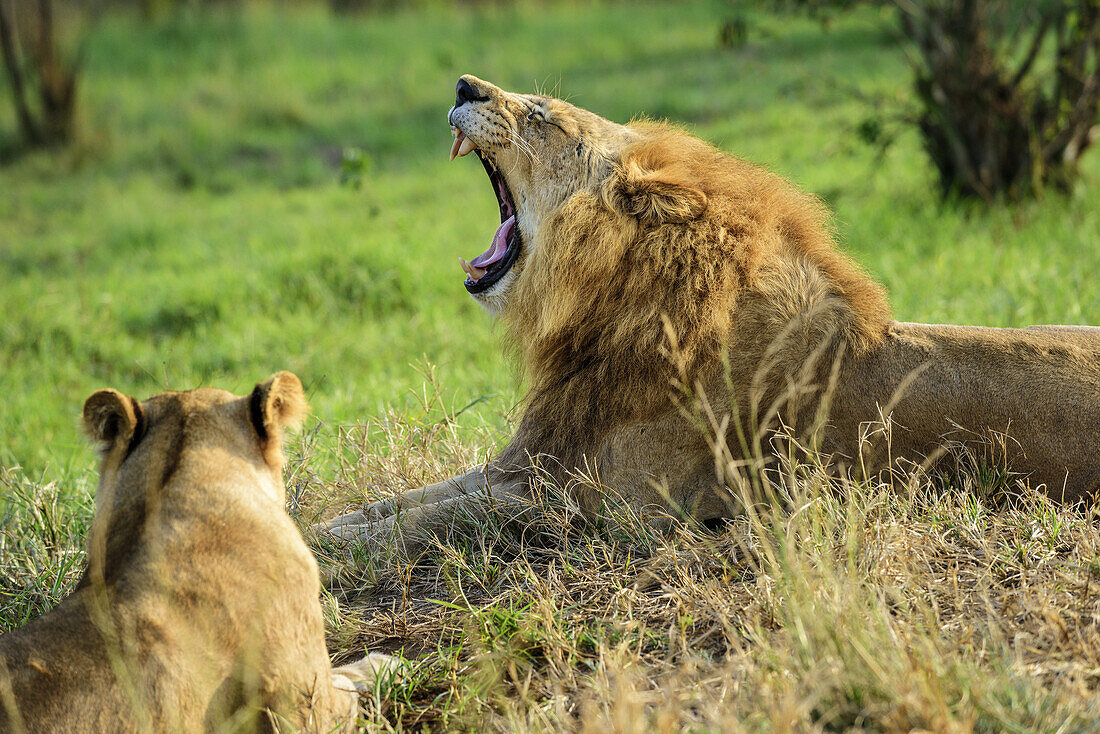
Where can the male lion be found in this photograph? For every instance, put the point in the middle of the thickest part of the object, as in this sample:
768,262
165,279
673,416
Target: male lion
199,609
636,267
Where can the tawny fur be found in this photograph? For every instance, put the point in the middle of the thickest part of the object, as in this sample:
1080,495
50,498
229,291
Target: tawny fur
659,276
670,241
199,609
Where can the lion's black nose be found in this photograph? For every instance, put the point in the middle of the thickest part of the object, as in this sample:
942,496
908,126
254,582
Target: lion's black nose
465,92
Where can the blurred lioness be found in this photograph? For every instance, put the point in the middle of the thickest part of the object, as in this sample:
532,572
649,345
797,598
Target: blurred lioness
669,301
199,608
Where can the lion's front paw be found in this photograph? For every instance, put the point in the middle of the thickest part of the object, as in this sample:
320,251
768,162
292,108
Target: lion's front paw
349,526
380,509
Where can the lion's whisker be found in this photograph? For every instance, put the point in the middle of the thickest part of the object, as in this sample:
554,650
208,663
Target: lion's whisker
523,145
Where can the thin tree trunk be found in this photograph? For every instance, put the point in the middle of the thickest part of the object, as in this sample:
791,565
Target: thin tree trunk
27,124
58,85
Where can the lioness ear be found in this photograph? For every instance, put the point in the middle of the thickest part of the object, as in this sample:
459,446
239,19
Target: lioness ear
278,402
657,194
110,417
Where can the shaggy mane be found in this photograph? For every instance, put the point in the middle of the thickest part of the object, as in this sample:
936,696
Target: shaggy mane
670,240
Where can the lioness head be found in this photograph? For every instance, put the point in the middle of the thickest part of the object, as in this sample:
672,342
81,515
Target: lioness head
143,445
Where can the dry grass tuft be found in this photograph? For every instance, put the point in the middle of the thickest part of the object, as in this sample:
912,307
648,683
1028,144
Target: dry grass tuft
905,603
42,528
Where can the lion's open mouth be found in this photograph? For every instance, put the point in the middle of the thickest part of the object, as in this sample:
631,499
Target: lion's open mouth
490,266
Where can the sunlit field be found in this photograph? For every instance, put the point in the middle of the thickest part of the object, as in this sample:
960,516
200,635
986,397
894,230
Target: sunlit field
267,187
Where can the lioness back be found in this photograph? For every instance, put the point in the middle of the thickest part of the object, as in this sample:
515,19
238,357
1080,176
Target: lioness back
199,608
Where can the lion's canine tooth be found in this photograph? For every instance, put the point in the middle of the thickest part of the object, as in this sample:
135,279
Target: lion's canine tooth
461,145
459,137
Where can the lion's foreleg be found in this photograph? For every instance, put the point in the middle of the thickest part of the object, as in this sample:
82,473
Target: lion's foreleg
472,481
347,525
414,528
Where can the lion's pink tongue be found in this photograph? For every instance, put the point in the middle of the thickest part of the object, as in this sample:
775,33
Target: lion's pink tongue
499,247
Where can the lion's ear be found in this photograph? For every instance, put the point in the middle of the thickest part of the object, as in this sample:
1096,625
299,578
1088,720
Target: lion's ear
109,417
656,193
278,402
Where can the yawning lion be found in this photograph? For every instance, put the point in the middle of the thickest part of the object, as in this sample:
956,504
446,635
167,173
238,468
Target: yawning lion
641,272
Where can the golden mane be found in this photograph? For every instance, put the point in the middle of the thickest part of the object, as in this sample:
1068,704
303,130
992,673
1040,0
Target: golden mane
666,243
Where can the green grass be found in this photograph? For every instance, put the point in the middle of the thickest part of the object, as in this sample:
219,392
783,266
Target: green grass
199,234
